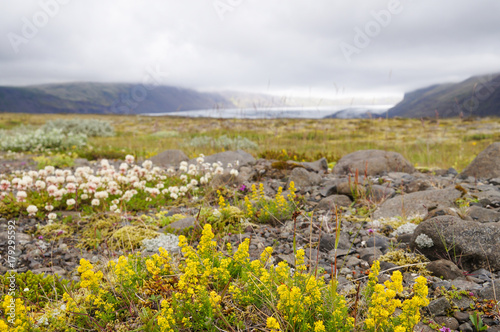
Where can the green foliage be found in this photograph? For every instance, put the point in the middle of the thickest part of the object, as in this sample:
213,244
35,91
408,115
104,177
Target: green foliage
59,160
477,322
10,208
477,137
101,152
165,134
216,290
87,127
35,288
223,142
41,140
259,208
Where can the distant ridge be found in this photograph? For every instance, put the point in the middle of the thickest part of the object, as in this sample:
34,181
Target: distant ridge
106,98
477,96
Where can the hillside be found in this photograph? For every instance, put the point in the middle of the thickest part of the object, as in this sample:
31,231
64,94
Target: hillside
105,98
476,96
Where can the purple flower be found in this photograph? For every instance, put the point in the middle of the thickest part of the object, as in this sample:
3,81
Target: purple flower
40,237
242,188
370,231
445,329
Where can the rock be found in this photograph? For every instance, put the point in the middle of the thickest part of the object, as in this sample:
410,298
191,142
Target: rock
421,327
465,327
227,179
327,242
52,270
380,193
350,189
439,210
488,293
449,322
445,269
369,253
169,158
461,284
377,241
329,188
183,223
462,303
303,179
483,215
320,165
417,185
476,245
329,203
461,316
290,259
486,165
439,306
416,203
169,242
376,162
229,157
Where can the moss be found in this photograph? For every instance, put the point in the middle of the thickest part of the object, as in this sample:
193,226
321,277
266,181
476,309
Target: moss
97,229
130,237
402,258
55,231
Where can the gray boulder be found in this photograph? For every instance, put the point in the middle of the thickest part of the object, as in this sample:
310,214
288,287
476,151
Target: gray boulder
444,268
375,162
169,158
473,244
183,223
320,165
482,215
302,178
329,203
486,165
416,203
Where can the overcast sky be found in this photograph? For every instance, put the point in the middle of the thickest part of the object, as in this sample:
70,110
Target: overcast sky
293,47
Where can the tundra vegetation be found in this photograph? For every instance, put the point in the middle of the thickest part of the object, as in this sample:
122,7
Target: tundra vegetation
211,286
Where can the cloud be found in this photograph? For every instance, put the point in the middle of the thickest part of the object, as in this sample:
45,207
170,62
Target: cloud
269,46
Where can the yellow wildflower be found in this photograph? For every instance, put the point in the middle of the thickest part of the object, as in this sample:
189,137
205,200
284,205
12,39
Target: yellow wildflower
273,324
319,327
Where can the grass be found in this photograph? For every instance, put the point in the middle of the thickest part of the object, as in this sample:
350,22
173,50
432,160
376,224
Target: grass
425,143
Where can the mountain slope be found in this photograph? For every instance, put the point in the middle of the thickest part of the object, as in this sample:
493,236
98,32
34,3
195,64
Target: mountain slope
476,96
105,98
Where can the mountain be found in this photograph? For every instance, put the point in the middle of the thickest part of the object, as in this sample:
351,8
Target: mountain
106,98
476,96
